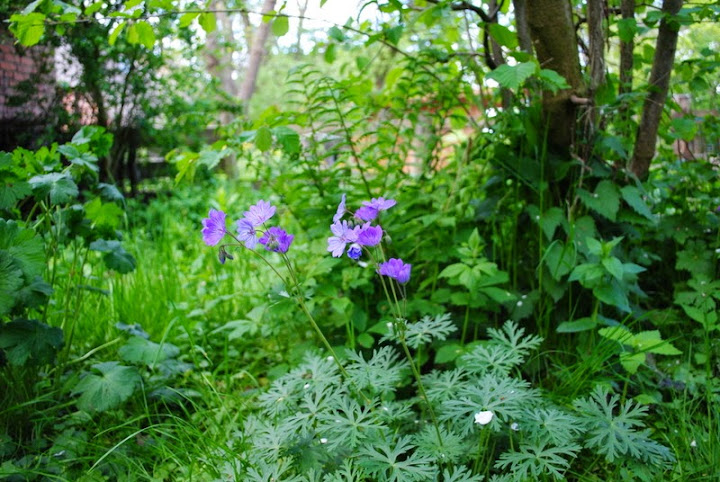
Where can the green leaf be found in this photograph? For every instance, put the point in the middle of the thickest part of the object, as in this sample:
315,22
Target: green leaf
208,22
448,353
10,282
393,34
280,26
627,27
604,201
329,56
263,138
612,294
513,76
29,342
115,32
12,192
60,187
632,361
633,196
365,340
552,80
577,326
115,255
24,246
652,342
288,139
140,350
560,259
29,28
113,385
187,18
336,34
550,220
146,35
103,215
614,266
503,35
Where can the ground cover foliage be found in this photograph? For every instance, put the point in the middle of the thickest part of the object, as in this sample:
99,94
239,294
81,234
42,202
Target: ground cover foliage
492,308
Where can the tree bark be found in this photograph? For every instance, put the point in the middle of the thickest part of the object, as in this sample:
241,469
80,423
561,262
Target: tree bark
596,43
663,61
521,26
627,10
553,35
257,52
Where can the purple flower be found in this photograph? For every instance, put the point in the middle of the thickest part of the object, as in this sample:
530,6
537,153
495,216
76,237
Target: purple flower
259,213
213,227
246,232
366,213
396,269
340,210
354,251
343,235
277,239
369,235
380,203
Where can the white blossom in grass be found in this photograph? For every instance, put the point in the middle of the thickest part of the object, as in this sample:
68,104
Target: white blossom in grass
514,427
693,444
484,417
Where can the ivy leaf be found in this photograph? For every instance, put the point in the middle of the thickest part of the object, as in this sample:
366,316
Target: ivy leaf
29,342
513,76
113,385
60,187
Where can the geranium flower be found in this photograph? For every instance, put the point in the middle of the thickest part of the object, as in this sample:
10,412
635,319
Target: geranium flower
369,235
213,227
344,235
354,251
276,239
340,210
246,233
396,269
371,209
259,213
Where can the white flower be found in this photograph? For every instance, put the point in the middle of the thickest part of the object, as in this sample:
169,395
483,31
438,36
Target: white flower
693,443
484,417
514,426
323,440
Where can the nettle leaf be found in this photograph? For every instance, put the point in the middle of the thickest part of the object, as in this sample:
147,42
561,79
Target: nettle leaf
604,201
141,350
550,220
633,196
560,259
103,215
114,384
115,255
512,76
60,187
29,342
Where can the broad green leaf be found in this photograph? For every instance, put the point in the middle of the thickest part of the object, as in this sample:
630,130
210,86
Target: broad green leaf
187,18
612,294
652,342
146,35
115,255
103,215
365,340
10,281
336,34
329,56
577,326
115,32
208,22
60,187
552,80
550,220
448,353
12,192
393,34
604,201
133,37
616,333
29,342
263,139
503,35
627,27
112,385
560,259
513,76
29,28
634,198
288,139
614,266
110,192
280,26
632,361
25,248
140,350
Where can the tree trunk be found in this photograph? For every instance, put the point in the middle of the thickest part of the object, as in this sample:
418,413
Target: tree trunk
257,52
521,26
659,85
553,34
596,43
627,10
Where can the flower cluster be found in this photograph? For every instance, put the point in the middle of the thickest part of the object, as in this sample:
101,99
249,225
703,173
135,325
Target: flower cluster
248,228
351,236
